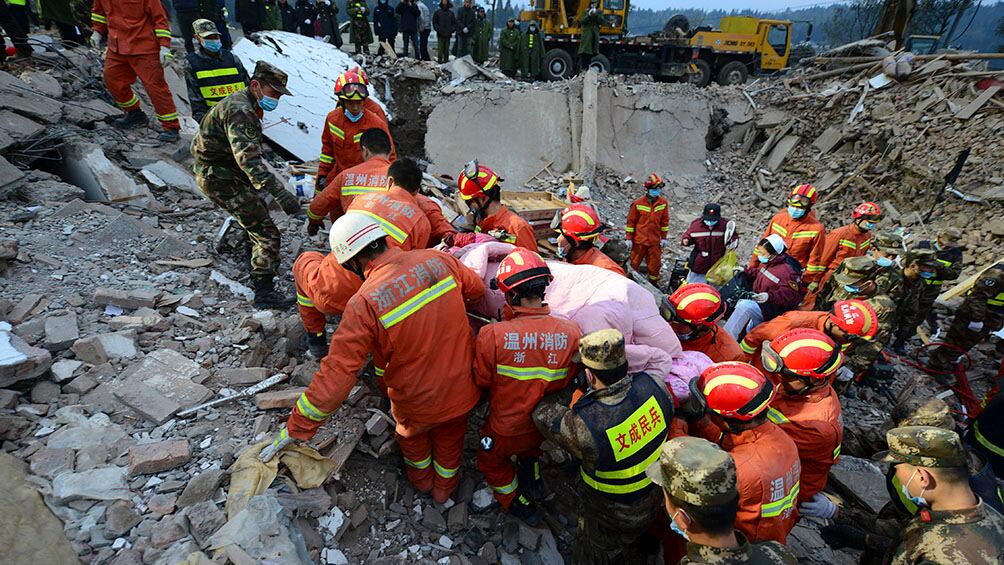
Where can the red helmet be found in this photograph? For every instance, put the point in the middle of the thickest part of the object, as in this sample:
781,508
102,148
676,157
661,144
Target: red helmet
654,181
476,179
856,318
351,85
697,304
867,210
580,222
734,390
806,190
804,353
520,267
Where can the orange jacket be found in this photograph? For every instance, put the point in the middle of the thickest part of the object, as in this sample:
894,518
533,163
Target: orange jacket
841,243
767,331
368,176
813,422
520,230
804,237
340,140
330,285
593,256
440,227
399,214
133,27
520,361
407,297
647,221
716,344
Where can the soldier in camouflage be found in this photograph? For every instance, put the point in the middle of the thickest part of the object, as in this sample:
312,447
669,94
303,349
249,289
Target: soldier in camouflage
952,525
230,171
918,266
948,252
698,482
854,277
981,314
885,249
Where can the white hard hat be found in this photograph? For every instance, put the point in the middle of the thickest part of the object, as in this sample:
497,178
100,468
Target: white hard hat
776,241
351,233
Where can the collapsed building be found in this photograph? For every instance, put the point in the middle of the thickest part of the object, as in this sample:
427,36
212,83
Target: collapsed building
124,312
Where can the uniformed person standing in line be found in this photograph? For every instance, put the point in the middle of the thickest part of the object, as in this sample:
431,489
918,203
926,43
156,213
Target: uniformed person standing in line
919,265
213,71
698,482
949,255
230,171
615,431
981,314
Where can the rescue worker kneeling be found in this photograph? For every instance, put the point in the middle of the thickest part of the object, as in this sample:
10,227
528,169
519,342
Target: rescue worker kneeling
406,297
519,361
615,431
577,234
694,311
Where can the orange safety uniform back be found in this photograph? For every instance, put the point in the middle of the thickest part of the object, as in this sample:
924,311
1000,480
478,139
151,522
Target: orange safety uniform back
767,331
368,176
133,27
398,214
340,147
595,257
520,361
804,239
434,213
841,243
814,423
716,344
406,298
647,221
521,232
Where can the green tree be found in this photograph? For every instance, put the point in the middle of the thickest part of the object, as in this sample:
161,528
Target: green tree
935,17
852,21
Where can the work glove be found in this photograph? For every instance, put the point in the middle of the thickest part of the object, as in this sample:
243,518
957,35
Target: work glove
95,39
279,442
465,31
500,234
819,507
592,11
976,326
306,21
733,245
760,297
461,239
841,535
314,227
226,13
322,181
289,203
165,56
845,374
629,243
813,286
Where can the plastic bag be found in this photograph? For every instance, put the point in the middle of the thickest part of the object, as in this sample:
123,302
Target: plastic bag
723,270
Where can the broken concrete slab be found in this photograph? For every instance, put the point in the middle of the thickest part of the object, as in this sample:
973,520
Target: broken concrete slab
124,229
23,307
860,480
829,139
147,402
61,330
9,174
82,431
19,361
64,369
18,127
128,299
18,96
43,83
158,456
164,370
98,349
244,375
264,530
106,483
53,191
87,166
49,461
170,175
780,152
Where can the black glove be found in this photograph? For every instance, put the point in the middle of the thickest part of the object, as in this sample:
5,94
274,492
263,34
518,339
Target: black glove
840,535
694,408
313,228
321,183
289,203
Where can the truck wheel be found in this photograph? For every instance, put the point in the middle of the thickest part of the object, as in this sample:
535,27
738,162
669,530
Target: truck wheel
601,63
702,75
558,65
733,73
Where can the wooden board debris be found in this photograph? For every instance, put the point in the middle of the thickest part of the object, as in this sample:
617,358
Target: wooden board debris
968,111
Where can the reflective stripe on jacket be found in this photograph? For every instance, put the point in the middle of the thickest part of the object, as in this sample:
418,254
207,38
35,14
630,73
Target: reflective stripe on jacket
340,148
334,199
648,221
814,423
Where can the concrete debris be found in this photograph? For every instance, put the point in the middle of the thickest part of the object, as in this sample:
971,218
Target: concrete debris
159,456
9,174
165,174
61,330
106,483
233,286
19,361
264,531
102,180
129,299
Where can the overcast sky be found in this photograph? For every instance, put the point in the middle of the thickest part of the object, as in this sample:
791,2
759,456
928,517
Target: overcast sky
724,4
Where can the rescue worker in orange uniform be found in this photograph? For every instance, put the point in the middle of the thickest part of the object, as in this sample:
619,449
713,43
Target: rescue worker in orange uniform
480,188
442,230
345,125
694,311
519,361
852,240
647,227
323,286
804,236
806,407
579,229
368,176
406,297
728,406
139,46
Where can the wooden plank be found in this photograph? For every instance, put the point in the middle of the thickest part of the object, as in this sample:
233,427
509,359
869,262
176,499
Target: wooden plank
974,106
964,285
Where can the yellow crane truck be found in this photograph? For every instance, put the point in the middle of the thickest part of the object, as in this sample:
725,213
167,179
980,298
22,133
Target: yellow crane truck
742,46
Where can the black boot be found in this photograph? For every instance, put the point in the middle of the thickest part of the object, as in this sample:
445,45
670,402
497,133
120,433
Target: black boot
317,345
526,511
130,120
265,295
169,136
530,483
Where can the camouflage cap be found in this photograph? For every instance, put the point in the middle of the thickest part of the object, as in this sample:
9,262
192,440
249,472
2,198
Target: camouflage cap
951,236
695,471
271,75
855,269
602,350
920,411
888,241
923,446
203,27
925,257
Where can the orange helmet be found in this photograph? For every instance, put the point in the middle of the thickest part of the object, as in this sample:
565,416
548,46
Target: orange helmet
654,181
733,390
802,353
696,304
856,318
806,190
520,267
351,85
867,210
476,179
580,223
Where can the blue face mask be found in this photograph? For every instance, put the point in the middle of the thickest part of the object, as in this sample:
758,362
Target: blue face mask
268,103
353,117
654,193
763,258
926,275
884,262
918,500
868,225
852,289
561,252
795,212
710,223
212,45
937,246
676,529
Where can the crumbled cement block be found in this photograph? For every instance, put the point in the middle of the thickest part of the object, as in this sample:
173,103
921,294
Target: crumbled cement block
171,374
81,385
88,167
19,361
120,518
64,369
49,462
376,425
119,345
24,307
128,299
159,456
105,483
147,402
44,392
278,398
61,330
90,350
171,175
8,398
18,127
18,96
244,375
42,83
9,174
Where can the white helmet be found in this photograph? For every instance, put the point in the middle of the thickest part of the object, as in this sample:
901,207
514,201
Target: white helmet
351,233
776,241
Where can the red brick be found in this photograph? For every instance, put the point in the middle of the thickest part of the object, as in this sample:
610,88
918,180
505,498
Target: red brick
159,456
279,398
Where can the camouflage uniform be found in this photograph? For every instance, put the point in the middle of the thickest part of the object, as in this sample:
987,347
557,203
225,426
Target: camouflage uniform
983,303
959,537
889,280
230,171
908,313
359,30
949,258
866,352
853,271
695,471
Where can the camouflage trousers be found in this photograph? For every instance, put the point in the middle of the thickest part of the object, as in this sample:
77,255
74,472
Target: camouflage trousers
239,199
609,533
962,337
